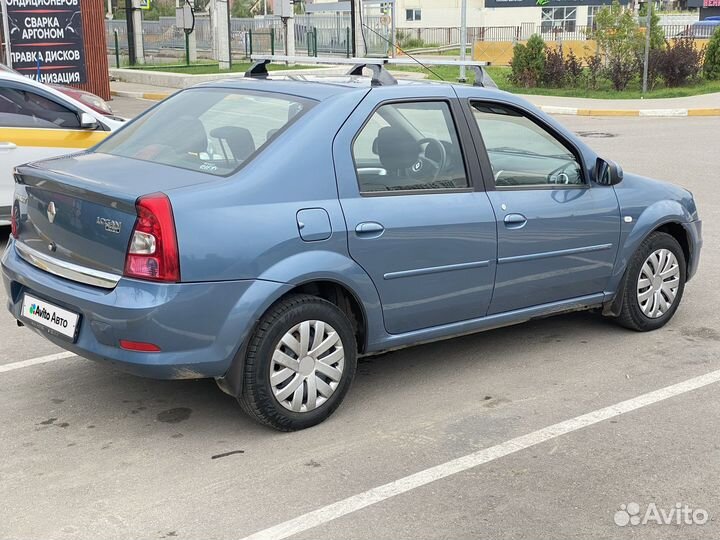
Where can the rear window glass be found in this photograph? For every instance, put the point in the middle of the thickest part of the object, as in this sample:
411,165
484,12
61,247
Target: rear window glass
209,130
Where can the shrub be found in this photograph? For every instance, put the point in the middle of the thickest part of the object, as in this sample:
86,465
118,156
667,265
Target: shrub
656,59
681,63
620,71
594,70
711,67
573,69
528,62
554,75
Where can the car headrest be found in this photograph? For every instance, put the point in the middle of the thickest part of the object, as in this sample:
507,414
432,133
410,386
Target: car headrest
238,139
195,137
396,148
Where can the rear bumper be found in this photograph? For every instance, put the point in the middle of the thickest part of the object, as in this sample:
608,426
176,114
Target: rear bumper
198,326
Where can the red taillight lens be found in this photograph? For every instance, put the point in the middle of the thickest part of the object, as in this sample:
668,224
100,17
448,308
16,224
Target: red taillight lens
153,252
140,346
15,221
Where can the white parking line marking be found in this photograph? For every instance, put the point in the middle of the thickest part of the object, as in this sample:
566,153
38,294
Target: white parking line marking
35,361
403,485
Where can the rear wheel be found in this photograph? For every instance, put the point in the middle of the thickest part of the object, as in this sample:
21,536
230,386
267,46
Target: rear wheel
300,363
654,283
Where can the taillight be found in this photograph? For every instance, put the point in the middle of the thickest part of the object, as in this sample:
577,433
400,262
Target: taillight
15,221
153,252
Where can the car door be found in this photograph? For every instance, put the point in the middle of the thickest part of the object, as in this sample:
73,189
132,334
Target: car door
558,232
418,220
35,125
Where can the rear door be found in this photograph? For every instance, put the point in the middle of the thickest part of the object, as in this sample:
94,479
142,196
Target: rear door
418,220
558,232
34,125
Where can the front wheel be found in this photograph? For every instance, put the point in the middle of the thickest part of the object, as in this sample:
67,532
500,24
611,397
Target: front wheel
299,364
654,283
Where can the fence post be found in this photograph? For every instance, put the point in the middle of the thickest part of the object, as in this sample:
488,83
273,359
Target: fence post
347,42
308,35
272,40
187,48
117,49
315,41
250,39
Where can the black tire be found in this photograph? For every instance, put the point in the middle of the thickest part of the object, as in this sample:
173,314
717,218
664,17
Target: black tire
631,315
257,397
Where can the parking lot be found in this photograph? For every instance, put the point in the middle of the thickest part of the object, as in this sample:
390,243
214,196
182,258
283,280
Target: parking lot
88,452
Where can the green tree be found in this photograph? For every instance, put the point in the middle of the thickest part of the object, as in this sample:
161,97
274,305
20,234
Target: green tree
657,34
711,67
620,41
528,62
248,8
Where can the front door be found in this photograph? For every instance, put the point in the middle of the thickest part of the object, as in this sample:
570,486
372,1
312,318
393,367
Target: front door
416,222
558,233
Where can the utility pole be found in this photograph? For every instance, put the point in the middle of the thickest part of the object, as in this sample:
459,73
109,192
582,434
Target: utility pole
356,20
648,21
463,38
221,30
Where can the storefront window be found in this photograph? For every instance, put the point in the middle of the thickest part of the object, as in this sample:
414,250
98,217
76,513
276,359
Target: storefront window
561,19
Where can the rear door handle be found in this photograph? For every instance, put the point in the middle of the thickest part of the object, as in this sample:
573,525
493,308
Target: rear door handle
515,221
8,146
369,229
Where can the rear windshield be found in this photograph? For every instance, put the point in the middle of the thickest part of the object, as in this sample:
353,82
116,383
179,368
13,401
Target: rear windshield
209,130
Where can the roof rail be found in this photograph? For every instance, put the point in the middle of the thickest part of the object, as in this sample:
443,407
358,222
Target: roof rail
380,76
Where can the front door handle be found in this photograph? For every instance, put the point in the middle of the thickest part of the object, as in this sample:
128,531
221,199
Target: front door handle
8,146
369,229
515,221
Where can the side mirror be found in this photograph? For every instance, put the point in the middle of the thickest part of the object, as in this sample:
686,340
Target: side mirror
88,121
608,173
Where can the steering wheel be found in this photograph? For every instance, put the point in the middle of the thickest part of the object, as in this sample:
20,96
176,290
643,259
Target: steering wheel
437,165
560,175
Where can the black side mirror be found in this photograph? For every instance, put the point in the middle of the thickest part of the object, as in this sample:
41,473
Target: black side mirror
608,173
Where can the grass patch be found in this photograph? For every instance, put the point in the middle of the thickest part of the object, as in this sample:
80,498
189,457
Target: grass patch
605,91
211,69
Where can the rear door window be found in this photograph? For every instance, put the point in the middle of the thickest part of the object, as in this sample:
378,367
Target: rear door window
209,130
24,108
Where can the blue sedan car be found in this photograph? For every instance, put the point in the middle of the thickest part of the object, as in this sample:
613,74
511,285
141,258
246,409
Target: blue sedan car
266,233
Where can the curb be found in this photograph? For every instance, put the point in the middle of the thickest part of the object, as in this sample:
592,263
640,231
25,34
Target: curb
152,96
666,113
550,109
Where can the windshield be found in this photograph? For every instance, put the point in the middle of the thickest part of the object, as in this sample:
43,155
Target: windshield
209,130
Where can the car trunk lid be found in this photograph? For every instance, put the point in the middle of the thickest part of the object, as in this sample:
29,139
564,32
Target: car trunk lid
79,211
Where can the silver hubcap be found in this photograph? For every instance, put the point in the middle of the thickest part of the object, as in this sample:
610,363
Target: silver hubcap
307,366
658,283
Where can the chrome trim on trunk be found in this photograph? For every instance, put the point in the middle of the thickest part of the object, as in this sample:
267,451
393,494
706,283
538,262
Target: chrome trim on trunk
67,270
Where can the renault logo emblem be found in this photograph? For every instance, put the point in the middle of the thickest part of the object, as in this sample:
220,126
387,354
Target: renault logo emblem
51,212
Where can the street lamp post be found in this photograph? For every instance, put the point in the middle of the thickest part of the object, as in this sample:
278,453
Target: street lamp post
463,38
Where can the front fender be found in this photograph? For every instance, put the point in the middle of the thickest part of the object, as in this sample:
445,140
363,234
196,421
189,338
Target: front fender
645,221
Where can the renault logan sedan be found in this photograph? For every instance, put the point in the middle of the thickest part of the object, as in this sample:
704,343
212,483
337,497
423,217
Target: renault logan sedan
268,232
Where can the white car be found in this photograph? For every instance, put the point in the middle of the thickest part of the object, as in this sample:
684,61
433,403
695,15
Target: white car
37,122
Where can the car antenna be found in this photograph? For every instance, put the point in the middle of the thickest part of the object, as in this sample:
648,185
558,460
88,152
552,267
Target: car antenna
392,44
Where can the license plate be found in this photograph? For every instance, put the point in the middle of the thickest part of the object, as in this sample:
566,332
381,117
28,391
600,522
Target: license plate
57,320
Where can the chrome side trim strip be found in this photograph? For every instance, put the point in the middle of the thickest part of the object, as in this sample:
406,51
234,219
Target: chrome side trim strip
436,269
559,253
67,270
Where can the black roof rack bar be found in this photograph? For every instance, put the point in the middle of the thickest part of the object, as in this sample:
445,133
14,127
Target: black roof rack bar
380,75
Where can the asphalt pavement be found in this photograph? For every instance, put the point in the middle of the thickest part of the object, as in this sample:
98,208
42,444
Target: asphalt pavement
446,440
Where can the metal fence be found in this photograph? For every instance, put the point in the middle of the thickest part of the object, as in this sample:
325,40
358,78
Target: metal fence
330,35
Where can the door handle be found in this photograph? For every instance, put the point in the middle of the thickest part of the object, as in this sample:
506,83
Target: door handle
8,146
369,229
515,221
